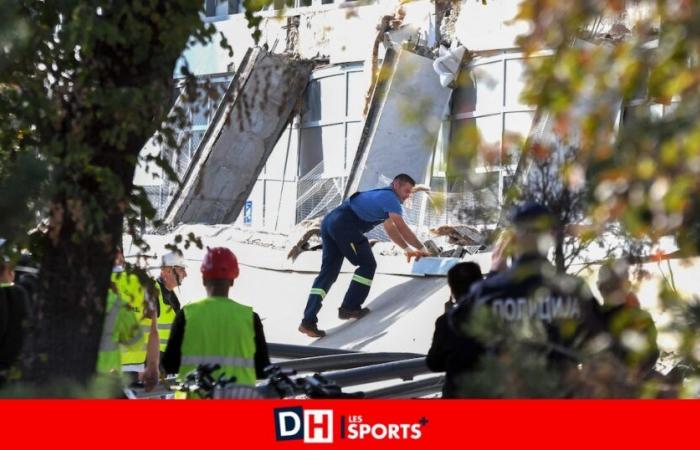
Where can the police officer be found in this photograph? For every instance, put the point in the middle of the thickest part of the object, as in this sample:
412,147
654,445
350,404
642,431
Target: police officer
529,305
217,329
342,233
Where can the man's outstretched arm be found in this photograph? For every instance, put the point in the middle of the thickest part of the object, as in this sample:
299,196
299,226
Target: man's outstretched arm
406,233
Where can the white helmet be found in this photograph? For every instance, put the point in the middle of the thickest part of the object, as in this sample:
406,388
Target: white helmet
173,259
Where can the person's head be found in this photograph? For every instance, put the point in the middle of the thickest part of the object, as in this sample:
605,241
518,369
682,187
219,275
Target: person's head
532,225
172,269
219,269
402,186
613,282
461,277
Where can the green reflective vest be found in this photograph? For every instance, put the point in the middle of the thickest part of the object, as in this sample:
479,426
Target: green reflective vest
219,331
165,319
121,326
130,290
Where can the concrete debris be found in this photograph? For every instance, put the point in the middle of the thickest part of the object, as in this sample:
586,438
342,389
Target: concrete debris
305,236
256,108
459,234
410,89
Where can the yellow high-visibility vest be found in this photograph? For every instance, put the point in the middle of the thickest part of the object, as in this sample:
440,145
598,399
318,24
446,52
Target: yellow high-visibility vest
130,290
121,326
220,331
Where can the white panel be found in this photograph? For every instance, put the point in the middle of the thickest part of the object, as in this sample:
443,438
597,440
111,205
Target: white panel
490,144
286,209
272,197
333,98
333,143
515,81
257,197
354,131
489,86
275,163
516,129
291,174
357,91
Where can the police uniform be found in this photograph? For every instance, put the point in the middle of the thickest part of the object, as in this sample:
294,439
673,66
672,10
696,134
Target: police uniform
554,314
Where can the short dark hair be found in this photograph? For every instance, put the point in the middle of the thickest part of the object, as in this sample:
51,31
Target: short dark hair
404,178
461,277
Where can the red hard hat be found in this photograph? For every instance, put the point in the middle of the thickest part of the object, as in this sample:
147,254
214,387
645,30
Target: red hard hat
219,264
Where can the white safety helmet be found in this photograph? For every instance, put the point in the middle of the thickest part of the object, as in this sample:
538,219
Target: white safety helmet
173,259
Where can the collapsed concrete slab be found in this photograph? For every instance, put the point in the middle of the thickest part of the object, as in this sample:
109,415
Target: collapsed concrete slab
402,123
257,105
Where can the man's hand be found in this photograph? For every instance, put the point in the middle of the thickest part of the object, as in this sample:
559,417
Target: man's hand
150,378
418,254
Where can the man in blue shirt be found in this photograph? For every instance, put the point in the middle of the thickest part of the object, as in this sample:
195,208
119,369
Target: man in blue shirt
342,233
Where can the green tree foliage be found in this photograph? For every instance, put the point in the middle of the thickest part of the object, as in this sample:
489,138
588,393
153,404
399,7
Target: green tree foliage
83,86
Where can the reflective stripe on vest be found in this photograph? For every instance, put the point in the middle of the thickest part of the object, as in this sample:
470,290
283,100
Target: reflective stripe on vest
220,360
165,319
219,331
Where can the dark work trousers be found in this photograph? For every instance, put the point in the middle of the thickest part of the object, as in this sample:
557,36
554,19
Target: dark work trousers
342,236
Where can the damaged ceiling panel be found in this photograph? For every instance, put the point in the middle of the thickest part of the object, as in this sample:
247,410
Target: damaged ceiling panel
257,106
402,124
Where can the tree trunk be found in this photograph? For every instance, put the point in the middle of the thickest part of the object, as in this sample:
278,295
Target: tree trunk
114,103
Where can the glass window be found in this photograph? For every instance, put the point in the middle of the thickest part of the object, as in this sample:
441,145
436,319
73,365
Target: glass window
222,8
312,102
324,99
515,81
488,128
464,97
310,150
200,113
516,130
489,86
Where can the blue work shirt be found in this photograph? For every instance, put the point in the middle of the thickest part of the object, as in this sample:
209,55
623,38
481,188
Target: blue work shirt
375,205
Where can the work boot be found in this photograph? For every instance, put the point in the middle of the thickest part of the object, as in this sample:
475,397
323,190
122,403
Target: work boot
311,330
346,314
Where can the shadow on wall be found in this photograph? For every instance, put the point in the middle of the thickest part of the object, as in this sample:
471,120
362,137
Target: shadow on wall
387,309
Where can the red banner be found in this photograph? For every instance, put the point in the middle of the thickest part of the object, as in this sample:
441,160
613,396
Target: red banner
363,424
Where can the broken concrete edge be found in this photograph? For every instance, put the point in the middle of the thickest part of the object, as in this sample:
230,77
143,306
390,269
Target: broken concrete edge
238,150
379,95
300,87
212,133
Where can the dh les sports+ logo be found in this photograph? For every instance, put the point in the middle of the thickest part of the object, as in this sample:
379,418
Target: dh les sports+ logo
316,426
